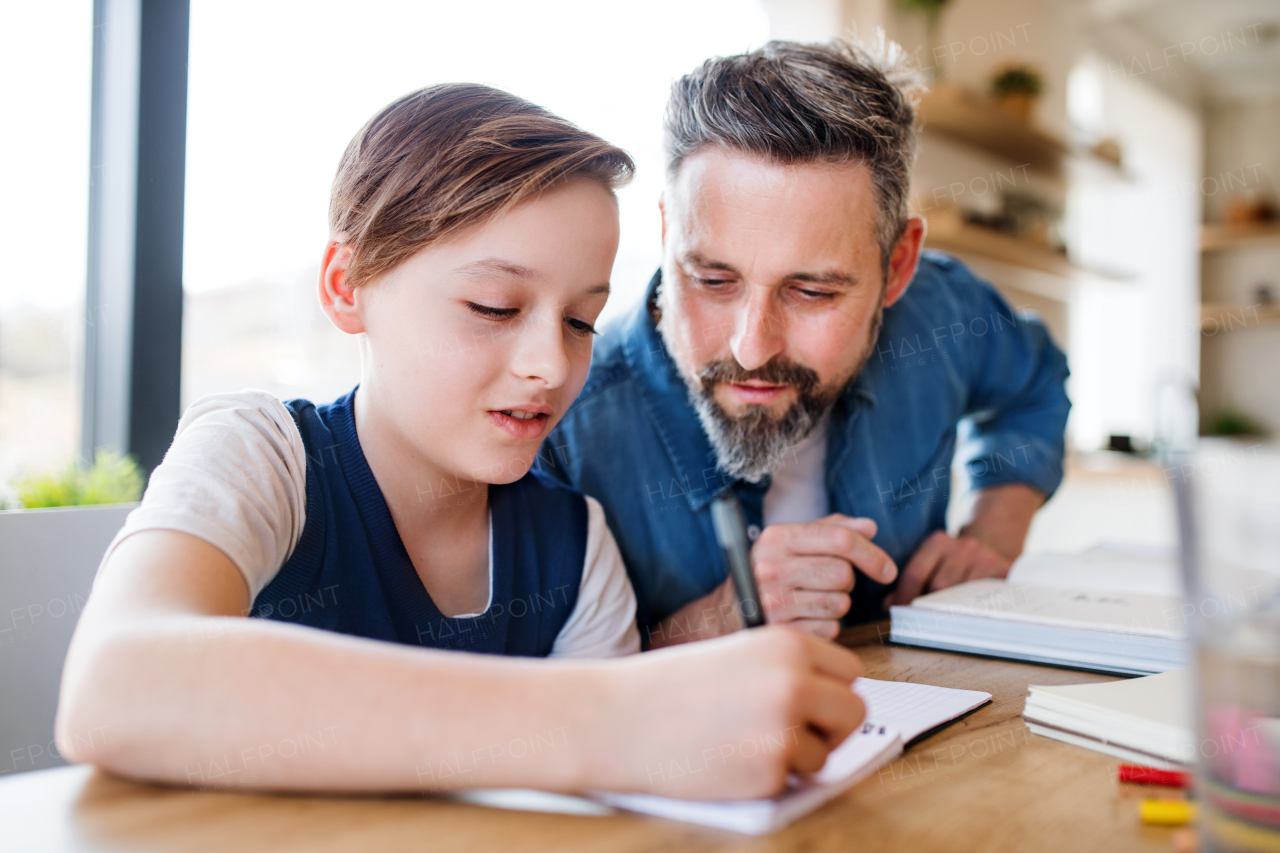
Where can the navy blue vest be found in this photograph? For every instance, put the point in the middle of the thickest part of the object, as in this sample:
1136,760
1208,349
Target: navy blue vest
350,572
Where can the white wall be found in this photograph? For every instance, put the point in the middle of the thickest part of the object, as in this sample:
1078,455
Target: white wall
1132,340
1242,156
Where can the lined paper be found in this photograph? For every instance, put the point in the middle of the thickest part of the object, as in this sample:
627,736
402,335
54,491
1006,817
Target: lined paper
913,709
897,712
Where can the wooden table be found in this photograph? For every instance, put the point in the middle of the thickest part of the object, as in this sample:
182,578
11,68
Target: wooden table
982,784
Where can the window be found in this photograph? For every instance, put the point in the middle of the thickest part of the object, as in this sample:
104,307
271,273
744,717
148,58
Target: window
45,148
277,90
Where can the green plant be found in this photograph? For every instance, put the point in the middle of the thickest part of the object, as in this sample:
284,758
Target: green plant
1232,422
111,479
1017,80
924,7
932,11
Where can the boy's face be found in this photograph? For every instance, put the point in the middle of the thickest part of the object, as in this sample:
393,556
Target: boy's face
474,348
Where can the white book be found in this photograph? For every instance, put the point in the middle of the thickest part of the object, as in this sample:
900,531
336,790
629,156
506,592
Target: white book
1143,720
1104,630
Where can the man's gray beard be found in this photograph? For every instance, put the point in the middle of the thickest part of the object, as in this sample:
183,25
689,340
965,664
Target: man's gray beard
755,444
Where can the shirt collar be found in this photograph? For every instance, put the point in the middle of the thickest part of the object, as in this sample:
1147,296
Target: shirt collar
666,396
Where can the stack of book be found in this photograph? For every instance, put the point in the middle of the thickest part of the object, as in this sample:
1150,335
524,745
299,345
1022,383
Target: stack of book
1143,720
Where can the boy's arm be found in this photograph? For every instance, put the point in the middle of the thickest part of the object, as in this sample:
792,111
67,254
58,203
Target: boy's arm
167,681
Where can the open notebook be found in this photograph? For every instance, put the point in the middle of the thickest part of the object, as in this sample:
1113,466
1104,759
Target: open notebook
1114,608
897,713
1114,632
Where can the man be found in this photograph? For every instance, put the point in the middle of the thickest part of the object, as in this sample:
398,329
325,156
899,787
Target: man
797,348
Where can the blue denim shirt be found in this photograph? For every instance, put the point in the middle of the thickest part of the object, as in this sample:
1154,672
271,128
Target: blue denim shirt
951,353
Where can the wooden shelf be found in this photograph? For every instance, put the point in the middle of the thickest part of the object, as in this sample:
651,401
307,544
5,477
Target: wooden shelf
1220,317
963,115
1217,238
948,231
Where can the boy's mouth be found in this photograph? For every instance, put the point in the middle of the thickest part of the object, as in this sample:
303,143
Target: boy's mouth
521,423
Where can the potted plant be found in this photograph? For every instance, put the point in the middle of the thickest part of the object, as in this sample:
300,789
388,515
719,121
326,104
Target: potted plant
111,479
1016,88
50,548
932,11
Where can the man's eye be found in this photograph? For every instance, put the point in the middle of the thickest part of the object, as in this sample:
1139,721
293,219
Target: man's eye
818,295
581,327
711,282
491,312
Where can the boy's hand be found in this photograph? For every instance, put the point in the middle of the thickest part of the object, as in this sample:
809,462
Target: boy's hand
732,717
805,570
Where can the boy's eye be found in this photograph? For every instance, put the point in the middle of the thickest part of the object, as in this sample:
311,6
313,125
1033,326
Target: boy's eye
580,327
491,312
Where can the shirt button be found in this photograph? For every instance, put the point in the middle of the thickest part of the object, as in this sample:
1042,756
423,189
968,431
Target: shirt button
753,532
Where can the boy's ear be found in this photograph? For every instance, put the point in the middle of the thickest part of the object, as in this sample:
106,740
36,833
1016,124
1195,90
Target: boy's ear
338,301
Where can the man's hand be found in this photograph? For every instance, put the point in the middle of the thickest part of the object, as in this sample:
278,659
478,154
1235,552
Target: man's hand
944,561
985,548
805,574
805,570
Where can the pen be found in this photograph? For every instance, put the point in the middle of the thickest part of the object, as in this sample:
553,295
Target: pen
1153,776
1167,812
731,533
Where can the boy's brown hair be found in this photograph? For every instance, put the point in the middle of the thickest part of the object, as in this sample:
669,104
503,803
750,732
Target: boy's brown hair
450,156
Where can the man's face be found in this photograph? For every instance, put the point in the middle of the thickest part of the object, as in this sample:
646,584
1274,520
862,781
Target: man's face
771,296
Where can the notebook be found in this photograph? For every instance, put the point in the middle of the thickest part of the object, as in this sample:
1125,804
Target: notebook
897,713
1143,720
1104,630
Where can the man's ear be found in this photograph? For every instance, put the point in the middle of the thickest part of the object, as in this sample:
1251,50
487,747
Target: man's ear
662,213
339,301
904,260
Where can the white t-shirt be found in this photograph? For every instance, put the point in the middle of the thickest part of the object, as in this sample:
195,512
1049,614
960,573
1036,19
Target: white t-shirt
236,477
798,489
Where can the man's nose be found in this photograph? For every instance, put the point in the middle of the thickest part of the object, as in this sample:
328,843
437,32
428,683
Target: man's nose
758,333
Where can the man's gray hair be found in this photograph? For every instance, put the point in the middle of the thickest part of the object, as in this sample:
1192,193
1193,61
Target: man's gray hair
794,103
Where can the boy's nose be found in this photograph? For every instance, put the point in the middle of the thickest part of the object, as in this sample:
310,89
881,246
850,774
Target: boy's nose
540,352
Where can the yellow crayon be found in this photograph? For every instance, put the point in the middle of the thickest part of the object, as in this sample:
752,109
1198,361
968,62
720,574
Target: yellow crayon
1167,812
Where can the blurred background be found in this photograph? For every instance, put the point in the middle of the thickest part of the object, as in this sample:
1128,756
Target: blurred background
1108,164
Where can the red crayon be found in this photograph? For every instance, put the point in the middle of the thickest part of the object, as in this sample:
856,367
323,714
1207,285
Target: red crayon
1152,776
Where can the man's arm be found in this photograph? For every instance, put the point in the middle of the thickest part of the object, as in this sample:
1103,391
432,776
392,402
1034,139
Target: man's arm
1016,404
1010,447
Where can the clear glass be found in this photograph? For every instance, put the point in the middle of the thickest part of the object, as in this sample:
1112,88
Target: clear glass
1229,514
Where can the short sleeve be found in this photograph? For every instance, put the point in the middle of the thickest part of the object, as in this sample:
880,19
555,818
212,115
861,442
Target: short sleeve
603,623
236,477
